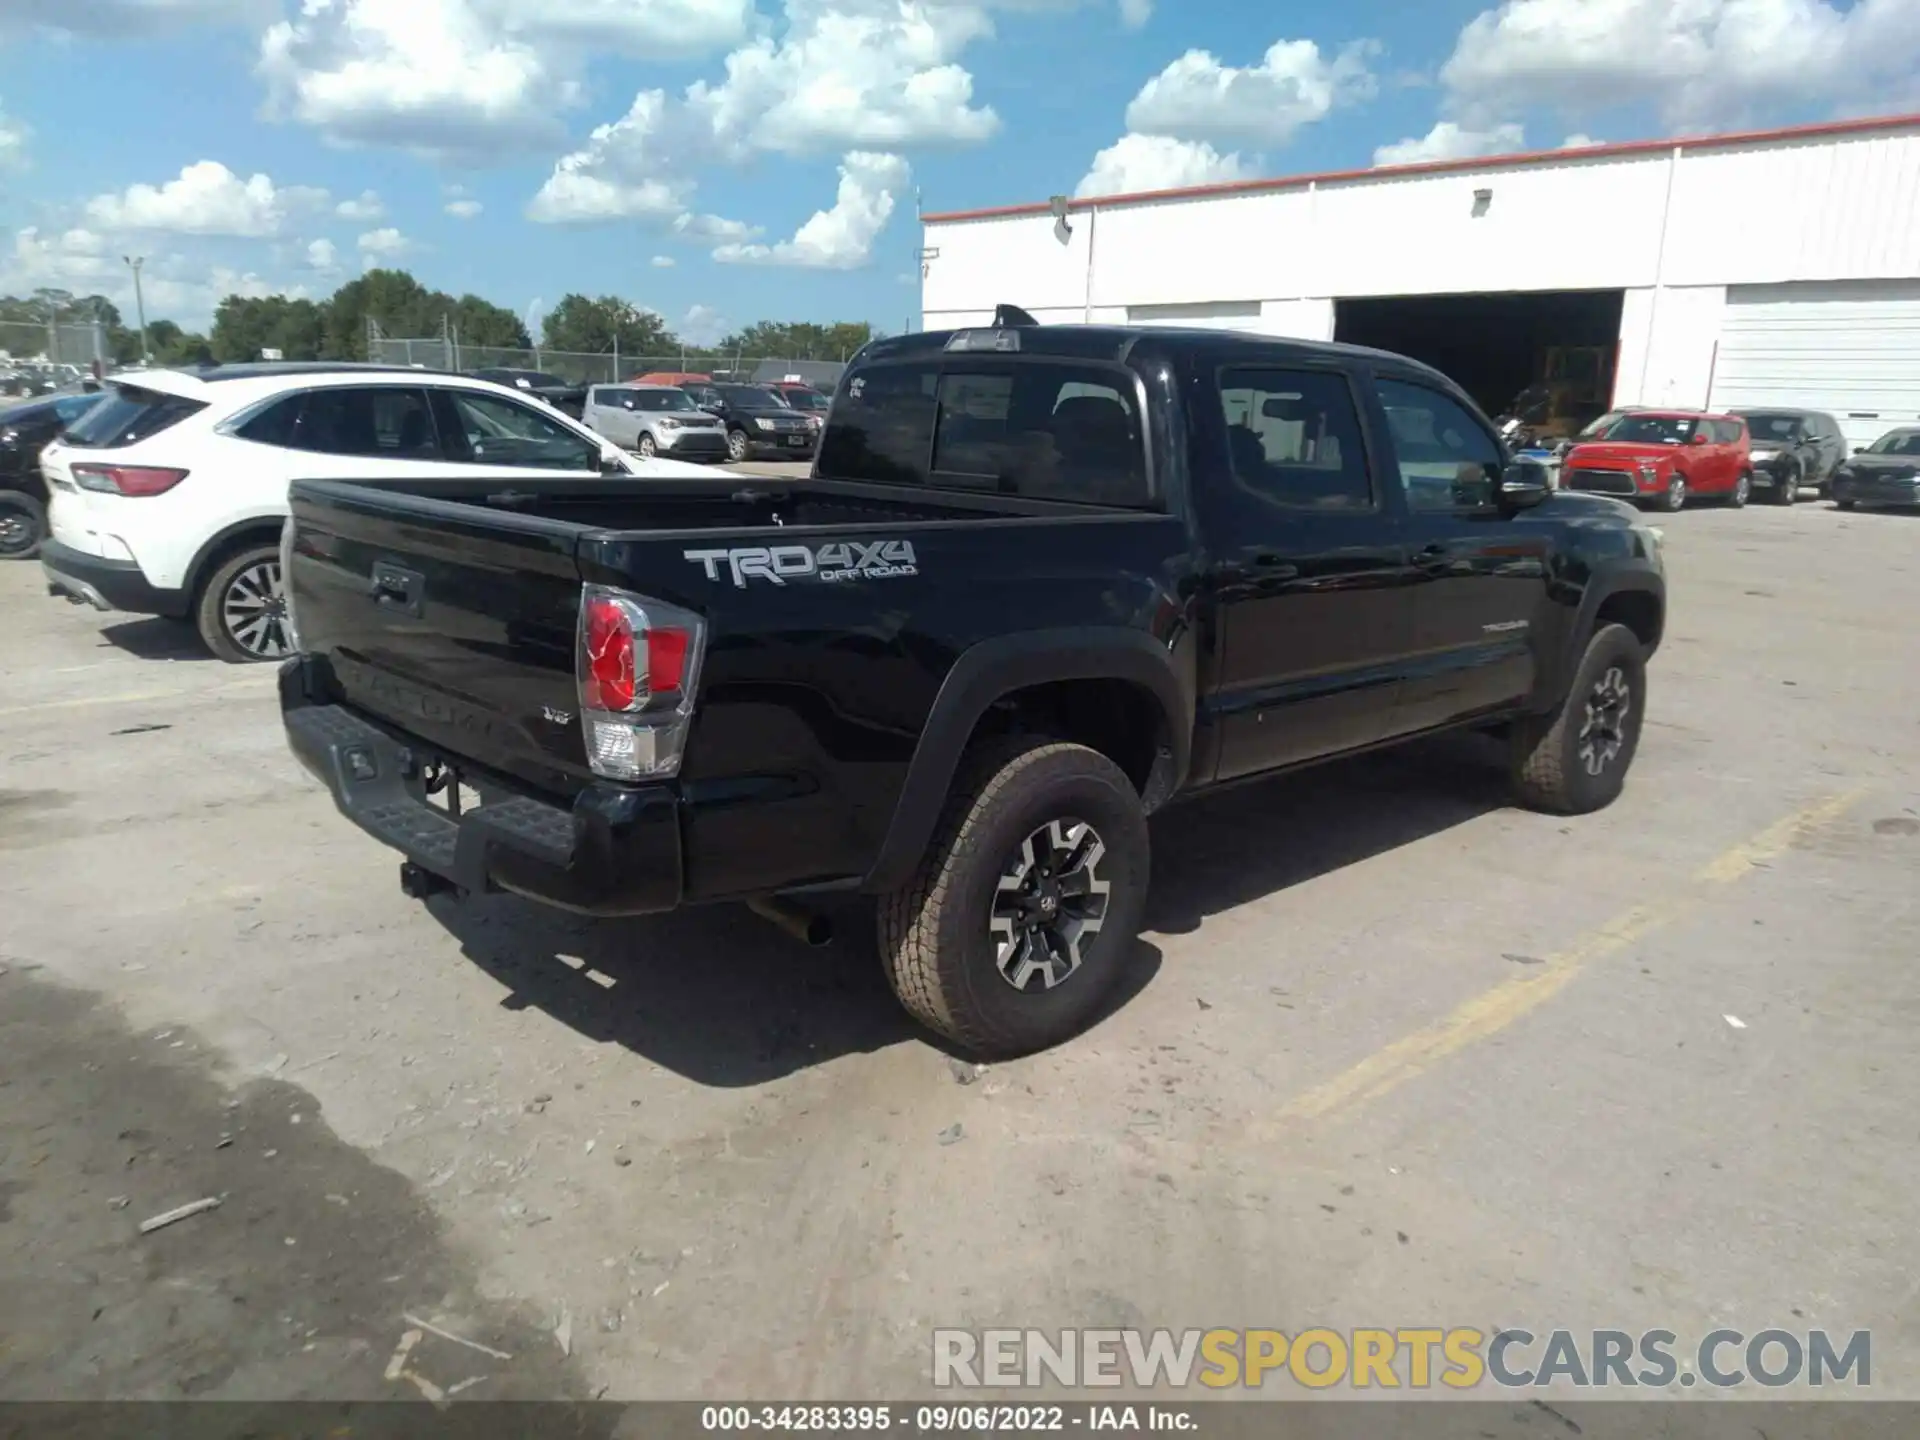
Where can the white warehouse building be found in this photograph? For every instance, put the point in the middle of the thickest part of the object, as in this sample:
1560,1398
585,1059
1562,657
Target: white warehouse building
1731,271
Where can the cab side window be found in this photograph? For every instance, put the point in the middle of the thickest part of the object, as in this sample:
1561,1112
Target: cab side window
1445,458
1293,438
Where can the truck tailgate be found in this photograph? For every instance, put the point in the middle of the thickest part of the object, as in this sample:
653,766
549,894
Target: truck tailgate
458,628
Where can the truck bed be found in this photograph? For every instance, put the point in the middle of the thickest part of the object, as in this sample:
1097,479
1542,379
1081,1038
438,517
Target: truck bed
447,612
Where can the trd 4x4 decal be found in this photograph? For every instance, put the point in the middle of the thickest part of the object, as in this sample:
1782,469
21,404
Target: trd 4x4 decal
842,560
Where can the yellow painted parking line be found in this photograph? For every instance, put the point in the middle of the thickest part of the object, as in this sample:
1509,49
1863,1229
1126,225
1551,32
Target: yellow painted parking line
264,686
1496,1009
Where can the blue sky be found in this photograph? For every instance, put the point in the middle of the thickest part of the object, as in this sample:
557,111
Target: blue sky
724,161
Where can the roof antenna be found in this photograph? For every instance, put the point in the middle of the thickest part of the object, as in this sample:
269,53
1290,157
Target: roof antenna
1011,317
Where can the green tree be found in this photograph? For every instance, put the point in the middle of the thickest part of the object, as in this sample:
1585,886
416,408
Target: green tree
601,326
774,339
481,322
243,328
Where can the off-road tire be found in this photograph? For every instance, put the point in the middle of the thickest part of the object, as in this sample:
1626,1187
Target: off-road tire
30,515
933,931
1545,764
207,616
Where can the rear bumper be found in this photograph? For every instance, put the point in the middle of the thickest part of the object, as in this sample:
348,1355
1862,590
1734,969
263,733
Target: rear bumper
107,584
616,851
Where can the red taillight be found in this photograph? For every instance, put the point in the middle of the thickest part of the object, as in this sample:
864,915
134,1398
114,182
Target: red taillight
666,659
608,683
639,663
133,481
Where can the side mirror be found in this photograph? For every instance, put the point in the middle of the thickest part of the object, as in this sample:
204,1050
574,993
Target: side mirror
1524,483
1697,438
612,463
1859,449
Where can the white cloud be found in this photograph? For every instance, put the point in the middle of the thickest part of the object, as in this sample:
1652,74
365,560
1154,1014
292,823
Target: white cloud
1135,13
384,243
1698,62
437,77
367,207
464,209
206,199
1136,163
843,75
1198,98
702,325
465,79
1448,141
850,74
322,255
840,238
1580,142
664,262
623,172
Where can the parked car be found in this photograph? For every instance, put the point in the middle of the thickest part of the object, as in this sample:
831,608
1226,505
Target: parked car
565,396
1794,449
655,420
169,495
672,377
1042,581
1662,458
25,429
1886,472
759,423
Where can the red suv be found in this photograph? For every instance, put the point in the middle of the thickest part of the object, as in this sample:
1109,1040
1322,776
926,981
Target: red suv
1662,457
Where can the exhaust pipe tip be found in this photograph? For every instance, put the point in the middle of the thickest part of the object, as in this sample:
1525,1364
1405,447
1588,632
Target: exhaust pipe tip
809,927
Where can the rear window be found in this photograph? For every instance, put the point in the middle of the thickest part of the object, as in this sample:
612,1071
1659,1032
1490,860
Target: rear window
1040,430
127,415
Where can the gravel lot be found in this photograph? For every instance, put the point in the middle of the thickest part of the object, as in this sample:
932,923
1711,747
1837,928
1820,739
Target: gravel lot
1397,1056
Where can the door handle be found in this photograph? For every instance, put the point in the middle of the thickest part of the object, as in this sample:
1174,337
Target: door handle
1272,567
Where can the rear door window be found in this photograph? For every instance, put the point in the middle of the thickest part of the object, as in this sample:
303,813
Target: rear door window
1041,430
390,421
1293,438
274,425
129,415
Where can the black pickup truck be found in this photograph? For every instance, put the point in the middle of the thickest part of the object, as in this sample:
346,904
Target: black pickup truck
1041,582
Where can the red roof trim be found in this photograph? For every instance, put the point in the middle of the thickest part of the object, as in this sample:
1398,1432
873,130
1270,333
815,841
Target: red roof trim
1824,130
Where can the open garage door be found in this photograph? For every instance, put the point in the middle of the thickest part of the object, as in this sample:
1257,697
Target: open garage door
1850,348
1495,346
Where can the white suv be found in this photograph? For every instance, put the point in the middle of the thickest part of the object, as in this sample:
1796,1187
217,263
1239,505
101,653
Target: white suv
167,498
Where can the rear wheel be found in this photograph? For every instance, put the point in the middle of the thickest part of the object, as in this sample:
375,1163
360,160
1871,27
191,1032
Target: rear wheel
23,525
242,614
1576,760
1016,928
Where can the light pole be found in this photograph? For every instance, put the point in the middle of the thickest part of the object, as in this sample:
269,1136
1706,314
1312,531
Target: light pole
134,262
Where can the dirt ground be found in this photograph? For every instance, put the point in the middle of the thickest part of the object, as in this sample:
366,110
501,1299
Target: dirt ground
1391,1054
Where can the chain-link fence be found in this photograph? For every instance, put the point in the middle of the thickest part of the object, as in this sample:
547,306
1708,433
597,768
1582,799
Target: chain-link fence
28,342
582,368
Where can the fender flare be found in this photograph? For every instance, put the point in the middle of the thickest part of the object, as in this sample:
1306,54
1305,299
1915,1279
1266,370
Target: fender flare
992,669
1637,577
203,557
